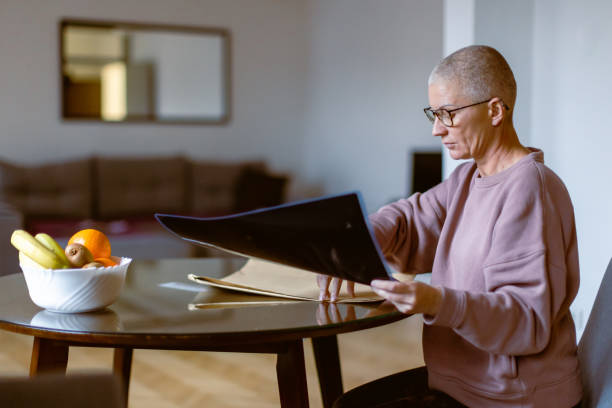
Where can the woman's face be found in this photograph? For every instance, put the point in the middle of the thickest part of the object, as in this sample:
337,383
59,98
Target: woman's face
467,138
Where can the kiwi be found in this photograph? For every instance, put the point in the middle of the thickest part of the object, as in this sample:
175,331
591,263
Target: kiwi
78,255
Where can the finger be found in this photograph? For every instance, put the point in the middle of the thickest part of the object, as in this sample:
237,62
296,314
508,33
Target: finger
380,292
403,308
335,315
391,286
323,282
322,314
350,287
398,305
350,313
395,298
334,289
386,307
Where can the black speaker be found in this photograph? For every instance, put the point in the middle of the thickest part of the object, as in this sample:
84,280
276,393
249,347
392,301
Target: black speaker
426,170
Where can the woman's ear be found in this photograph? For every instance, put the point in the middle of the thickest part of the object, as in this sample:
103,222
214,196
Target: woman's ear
497,111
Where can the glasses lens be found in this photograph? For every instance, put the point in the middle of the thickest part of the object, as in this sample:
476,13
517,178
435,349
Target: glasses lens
442,115
445,117
430,115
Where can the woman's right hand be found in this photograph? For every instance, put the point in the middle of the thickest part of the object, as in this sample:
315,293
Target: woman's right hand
329,287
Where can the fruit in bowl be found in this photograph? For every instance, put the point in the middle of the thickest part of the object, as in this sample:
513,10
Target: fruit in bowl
70,280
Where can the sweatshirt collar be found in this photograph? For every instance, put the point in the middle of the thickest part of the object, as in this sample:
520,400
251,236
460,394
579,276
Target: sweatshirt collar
536,155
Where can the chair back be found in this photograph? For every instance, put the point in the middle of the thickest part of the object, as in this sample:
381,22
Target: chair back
595,348
57,390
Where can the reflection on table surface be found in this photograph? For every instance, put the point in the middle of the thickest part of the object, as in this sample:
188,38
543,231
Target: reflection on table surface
100,321
159,299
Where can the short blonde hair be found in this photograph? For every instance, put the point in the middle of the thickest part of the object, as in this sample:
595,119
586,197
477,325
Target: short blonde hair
480,71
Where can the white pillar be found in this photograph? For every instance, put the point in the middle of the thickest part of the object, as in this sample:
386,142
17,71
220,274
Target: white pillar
459,32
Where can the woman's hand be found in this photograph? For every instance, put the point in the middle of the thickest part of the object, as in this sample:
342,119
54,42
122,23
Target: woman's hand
410,297
328,313
330,292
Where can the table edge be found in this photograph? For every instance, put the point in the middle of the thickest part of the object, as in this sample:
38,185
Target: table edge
200,340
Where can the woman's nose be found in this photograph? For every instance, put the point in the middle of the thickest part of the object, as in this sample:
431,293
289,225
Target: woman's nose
438,128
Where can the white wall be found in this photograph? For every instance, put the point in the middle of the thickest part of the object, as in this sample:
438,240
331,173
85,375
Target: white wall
560,52
571,108
459,31
269,59
368,68
328,91
506,26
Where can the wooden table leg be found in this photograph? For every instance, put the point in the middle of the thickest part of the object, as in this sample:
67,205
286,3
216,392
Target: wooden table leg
48,356
291,375
122,367
327,359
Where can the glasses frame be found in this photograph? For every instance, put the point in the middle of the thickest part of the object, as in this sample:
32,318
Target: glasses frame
432,114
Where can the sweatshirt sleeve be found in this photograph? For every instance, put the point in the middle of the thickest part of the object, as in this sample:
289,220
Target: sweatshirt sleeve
526,274
408,230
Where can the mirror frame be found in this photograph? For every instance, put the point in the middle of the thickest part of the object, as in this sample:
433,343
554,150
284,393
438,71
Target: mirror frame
227,68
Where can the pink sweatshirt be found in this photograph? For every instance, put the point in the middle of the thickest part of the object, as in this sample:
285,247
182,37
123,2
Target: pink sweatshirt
503,249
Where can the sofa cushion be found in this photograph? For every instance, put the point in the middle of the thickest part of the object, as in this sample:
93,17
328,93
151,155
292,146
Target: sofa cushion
214,186
61,190
139,186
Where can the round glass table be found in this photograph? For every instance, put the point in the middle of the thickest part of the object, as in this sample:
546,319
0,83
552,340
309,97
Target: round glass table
159,309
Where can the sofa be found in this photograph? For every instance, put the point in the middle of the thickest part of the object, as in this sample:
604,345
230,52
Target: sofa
120,195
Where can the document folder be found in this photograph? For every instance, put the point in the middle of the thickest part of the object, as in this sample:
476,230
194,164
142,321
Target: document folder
275,280
328,235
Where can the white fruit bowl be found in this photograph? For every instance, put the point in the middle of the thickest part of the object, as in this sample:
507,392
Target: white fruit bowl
75,290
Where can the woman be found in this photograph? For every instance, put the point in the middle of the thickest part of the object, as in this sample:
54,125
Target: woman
499,238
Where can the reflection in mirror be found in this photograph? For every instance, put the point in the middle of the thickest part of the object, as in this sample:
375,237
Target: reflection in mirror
134,72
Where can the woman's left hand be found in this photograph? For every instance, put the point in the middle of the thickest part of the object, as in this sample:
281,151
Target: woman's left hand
409,297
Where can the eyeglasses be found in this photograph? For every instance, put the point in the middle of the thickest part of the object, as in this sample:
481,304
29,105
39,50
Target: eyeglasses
444,115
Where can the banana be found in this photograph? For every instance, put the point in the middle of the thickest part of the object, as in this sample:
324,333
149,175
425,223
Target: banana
25,260
36,251
52,244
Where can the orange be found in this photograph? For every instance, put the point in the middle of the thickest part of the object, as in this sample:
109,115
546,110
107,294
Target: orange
106,261
94,240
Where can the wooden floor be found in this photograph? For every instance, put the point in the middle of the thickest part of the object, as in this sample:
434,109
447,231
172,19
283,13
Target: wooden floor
171,379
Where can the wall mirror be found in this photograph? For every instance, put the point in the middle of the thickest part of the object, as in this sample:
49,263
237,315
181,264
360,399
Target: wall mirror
128,72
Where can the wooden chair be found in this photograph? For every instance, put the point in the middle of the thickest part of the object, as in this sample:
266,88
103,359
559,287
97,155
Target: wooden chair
404,389
595,349
62,391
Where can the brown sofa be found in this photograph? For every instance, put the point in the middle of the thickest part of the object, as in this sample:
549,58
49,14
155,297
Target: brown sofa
119,196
